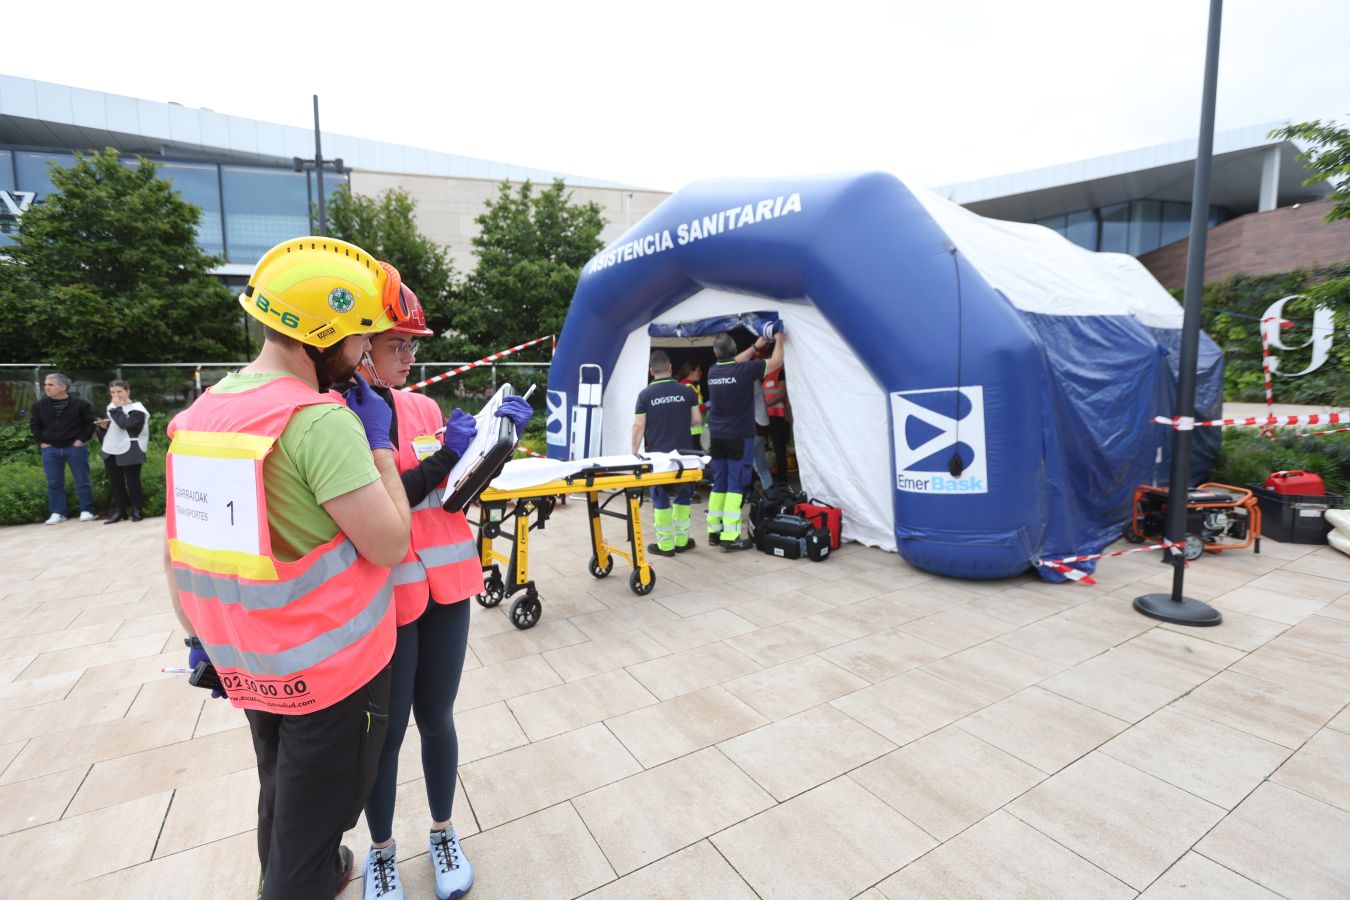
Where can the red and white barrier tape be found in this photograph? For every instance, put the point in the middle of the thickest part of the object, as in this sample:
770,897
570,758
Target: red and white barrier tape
1185,423
528,452
485,361
1304,434
1265,366
1061,565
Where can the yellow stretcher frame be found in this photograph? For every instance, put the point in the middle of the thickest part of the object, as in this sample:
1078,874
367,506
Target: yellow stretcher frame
628,481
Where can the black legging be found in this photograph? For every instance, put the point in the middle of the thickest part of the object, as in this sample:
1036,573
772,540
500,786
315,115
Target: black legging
125,482
428,661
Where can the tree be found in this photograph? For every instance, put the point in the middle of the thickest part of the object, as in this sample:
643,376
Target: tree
107,270
531,248
1328,156
386,227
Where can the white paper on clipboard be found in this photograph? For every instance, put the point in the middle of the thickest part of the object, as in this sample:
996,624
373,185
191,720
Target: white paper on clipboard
483,441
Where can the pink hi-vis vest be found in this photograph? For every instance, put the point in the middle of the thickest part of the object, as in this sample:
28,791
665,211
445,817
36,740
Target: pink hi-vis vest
442,558
286,637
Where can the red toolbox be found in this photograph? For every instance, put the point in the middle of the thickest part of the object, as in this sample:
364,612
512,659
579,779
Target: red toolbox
824,515
1296,481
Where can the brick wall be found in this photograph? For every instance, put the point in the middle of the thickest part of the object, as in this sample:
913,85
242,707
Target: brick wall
1267,243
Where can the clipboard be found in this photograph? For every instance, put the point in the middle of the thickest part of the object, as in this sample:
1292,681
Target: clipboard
485,456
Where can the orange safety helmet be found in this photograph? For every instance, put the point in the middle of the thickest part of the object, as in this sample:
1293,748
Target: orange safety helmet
416,321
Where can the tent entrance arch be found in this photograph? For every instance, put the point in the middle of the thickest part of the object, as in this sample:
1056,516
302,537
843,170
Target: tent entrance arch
842,457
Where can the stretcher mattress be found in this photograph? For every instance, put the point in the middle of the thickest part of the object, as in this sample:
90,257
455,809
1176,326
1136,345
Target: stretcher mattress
520,474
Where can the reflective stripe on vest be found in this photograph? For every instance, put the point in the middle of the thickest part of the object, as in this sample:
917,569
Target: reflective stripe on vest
312,652
431,557
255,596
285,636
442,562
430,501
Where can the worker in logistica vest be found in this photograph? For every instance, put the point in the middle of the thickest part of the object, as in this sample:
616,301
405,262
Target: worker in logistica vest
731,423
666,414
285,514
432,586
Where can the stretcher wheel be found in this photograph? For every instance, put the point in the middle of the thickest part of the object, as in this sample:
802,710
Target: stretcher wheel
525,612
598,572
1130,535
493,592
636,585
1194,549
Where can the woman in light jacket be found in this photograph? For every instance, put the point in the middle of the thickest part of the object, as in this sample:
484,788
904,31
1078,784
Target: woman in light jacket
125,440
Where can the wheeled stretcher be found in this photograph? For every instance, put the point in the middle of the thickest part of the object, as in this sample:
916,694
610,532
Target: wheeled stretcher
530,488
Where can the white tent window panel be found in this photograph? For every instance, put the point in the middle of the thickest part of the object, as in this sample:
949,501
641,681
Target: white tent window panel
840,422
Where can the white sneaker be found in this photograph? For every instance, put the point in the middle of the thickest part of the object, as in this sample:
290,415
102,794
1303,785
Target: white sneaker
381,874
454,875
55,519
86,517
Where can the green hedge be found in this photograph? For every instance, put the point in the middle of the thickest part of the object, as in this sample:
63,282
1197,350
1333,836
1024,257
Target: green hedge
1247,458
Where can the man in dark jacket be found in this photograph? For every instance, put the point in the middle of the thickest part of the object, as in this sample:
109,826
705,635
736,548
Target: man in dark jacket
62,425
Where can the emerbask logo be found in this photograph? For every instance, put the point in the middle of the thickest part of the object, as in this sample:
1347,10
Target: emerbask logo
932,425
556,429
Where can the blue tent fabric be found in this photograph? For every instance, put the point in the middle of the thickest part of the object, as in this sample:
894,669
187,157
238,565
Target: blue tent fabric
1016,435
753,322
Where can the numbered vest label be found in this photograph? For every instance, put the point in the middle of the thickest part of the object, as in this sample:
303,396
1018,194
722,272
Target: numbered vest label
425,445
215,502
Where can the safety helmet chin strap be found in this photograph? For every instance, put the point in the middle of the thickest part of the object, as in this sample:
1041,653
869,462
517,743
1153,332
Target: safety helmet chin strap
321,356
374,376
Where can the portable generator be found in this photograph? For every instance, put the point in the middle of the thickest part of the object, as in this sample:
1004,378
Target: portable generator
1218,517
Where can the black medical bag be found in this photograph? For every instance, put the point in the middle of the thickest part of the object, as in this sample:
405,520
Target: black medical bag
770,502
793,537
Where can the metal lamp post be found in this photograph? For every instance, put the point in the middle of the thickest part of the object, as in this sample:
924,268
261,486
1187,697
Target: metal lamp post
1176,607
300,164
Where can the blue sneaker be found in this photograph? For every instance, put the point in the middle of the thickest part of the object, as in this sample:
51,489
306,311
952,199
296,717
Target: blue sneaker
381,874
454,875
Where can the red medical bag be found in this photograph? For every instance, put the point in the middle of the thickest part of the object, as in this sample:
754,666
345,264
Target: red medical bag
831,518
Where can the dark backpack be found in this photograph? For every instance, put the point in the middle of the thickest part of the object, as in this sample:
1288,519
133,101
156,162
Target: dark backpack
770,502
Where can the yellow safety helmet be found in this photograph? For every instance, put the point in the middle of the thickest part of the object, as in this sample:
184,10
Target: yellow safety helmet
319,290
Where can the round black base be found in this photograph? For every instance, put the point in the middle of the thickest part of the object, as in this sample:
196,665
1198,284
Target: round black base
1185,612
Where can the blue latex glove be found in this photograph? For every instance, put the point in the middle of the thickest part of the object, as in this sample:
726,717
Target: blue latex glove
198,655
518,410
460,430
375,414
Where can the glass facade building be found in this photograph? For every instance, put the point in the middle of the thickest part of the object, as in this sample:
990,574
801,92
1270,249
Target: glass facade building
1134,228
246,210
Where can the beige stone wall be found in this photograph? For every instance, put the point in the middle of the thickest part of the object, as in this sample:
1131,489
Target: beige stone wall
447,207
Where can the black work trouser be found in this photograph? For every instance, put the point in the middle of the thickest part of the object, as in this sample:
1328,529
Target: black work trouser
314,773
779,432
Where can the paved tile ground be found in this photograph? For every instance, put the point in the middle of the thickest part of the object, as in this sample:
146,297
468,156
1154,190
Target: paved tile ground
754,728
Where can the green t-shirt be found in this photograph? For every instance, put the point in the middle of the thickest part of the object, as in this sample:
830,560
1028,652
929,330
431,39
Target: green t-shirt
322,454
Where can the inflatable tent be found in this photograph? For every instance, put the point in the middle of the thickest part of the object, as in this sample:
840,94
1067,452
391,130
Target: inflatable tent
975,394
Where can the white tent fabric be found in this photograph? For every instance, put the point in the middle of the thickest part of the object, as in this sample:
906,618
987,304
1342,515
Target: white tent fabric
1040,271
839,411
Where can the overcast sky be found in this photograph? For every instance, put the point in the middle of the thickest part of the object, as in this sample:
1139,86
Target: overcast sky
658,95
